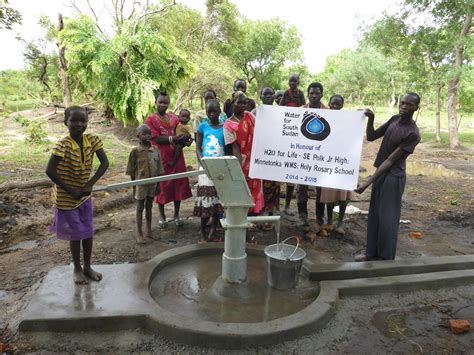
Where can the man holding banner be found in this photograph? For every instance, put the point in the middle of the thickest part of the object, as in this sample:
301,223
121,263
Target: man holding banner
400,137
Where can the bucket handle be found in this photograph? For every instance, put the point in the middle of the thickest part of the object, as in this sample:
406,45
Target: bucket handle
296,247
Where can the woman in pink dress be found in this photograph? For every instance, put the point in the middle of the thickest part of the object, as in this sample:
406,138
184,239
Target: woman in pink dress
238,131
163,125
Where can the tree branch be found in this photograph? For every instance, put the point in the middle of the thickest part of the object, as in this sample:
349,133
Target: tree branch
96,22
148,13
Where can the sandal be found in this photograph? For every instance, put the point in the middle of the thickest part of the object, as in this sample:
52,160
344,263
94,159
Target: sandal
162,224
179,222
252,240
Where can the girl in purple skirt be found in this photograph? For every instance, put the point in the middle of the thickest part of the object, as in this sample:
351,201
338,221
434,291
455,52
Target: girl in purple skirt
70,168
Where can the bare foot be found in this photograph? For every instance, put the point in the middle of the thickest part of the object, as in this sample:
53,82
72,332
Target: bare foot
149,236
80,278
140,240
93,275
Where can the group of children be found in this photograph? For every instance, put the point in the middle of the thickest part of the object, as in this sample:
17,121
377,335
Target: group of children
70,168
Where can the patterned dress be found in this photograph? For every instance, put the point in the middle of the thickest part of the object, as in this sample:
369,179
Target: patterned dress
207,201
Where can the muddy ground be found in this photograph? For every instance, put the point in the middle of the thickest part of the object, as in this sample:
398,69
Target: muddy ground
438,202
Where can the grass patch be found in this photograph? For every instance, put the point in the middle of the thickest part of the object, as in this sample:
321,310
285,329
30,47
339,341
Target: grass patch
426,121
23,153
465,138
19,105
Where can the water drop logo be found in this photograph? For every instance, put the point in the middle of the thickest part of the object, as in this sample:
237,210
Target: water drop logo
315,127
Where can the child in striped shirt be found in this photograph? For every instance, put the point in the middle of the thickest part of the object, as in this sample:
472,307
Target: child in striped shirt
70,168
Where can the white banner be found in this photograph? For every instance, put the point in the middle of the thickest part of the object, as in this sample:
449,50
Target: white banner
307,146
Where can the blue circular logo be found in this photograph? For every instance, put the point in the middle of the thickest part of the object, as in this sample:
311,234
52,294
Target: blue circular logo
315,127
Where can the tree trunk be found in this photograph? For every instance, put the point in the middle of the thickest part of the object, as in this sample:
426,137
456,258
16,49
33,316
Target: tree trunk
63,66
391,101
453,86
437,113
25,185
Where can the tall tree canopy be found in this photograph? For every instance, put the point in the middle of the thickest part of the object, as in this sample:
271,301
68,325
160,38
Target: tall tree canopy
125,70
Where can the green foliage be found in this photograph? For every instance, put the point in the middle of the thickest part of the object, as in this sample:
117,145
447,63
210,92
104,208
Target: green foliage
8,15
36,134
466,92
364,76
23,121
264,48
16,88
224,22
213,71
125,70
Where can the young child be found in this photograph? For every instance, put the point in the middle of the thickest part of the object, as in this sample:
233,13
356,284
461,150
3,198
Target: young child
201,115
185,131
278,96
400,137
332,196
144,162
70,167
293,97
209,143
271,189
240,85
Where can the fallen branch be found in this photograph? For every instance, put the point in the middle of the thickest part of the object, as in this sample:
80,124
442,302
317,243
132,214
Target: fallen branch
25,185
44,116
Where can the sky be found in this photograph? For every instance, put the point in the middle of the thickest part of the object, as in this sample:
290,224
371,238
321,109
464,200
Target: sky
326,27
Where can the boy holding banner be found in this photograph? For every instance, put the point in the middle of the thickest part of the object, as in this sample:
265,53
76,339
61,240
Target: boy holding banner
400,137
315,93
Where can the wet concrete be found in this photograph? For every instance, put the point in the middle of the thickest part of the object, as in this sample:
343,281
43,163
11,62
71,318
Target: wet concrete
188,288
122,300
26,245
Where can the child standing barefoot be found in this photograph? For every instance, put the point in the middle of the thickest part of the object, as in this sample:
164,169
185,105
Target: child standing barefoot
331,197
144,162
209,143
70,167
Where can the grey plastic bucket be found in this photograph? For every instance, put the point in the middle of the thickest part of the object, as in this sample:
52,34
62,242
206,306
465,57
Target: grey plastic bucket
284,263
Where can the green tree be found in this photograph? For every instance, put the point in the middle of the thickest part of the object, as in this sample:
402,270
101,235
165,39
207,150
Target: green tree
421,52
435,33
125,70
192,34
8,16
264,48
224,22
364,76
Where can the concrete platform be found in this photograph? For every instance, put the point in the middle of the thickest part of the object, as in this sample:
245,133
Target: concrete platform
122,300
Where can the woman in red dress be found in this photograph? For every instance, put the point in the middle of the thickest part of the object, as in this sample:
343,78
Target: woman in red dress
238,131
162,125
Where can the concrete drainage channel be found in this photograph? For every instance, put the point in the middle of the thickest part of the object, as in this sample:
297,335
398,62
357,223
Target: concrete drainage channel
127,298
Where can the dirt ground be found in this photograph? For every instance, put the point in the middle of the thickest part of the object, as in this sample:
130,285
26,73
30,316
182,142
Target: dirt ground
438,202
